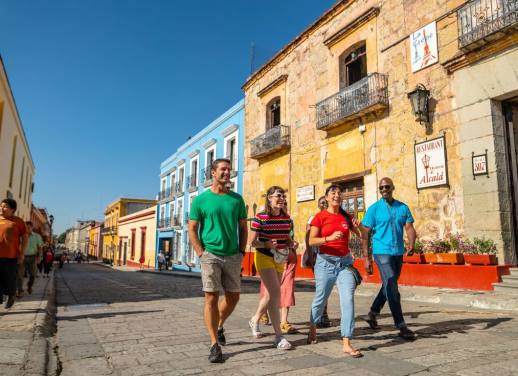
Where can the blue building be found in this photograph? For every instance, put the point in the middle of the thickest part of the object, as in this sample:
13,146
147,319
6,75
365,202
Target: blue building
186,174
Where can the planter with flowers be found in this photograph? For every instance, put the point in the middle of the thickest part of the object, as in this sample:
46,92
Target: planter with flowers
417,257
440,251
483,252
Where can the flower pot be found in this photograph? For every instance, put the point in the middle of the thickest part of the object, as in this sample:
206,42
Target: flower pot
443,258
416,258
474,259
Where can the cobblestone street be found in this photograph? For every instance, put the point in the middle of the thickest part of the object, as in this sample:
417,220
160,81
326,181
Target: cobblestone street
130,323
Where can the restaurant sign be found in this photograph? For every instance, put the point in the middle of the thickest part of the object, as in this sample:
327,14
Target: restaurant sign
431,163
306,193
423,47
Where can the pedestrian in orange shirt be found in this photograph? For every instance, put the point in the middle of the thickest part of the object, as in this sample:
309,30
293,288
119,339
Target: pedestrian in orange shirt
13,241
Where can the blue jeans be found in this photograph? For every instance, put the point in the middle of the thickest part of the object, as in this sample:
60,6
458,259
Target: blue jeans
390,269
331,270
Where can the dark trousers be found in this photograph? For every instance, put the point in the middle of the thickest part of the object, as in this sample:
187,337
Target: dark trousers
390,269
47,267
8,271
27,267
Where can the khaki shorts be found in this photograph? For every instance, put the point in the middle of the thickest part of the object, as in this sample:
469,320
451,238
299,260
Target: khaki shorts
221,272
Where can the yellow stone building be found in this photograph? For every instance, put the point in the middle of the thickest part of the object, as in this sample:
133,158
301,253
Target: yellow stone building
333,106
119,208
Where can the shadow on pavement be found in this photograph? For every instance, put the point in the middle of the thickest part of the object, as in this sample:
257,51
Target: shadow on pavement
103,315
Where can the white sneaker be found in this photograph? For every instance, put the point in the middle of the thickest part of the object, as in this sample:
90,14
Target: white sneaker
256,332
282,343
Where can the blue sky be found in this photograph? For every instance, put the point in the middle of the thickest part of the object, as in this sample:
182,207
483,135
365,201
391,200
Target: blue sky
108,89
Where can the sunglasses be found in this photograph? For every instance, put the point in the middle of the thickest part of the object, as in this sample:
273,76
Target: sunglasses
387,187
278,195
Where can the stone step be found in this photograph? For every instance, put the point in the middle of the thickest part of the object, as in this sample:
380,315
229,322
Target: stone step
507,288
513,271
510,282
510,277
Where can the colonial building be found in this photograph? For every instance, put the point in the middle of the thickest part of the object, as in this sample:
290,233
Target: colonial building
186,173
16,164
137,234
112,213
95,244
339,104
40,222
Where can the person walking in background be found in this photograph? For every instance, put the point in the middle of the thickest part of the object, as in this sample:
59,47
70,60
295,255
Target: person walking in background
13,241
33,249
160,260
330,231
387,218
218,232
310,257
48,260
141,261
271,239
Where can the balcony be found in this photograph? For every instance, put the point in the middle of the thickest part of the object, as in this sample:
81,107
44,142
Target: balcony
176,221
164,223
179,189
109,230
206,176
368,95
483,20
166,194
234,163
192,183
275,139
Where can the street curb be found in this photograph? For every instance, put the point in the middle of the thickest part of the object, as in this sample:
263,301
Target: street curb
41,359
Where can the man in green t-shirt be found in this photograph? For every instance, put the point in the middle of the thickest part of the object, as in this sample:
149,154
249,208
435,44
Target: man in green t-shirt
34,249
218,232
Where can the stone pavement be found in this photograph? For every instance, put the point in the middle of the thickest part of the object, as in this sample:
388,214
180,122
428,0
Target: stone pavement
26,330
128,323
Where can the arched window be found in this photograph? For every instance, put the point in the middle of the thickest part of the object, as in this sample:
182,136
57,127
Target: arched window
353,66
273,113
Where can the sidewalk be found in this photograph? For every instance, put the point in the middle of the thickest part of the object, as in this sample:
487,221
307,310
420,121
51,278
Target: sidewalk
26,330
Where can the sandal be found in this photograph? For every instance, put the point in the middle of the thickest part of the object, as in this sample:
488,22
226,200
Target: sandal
286,328
256,332
282,343
372,321
264,320
354,353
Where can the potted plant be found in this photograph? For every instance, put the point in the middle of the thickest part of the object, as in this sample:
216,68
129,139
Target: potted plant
439,251
482,252
417,257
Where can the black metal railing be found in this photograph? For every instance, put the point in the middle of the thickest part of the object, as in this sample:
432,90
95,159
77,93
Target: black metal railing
206,176
176,221
165,194
192,182
275,139
179,188
353,101
109,230
479,19
164,222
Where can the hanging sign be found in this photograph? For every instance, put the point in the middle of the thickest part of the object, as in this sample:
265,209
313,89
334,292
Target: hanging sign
423,47
479,164
431,163
306,193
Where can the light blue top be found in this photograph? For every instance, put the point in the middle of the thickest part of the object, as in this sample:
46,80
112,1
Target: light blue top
387,223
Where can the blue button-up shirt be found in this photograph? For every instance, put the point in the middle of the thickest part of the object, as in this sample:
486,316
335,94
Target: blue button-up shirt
387,223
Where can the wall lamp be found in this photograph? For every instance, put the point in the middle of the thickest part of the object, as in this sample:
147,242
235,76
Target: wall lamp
419,101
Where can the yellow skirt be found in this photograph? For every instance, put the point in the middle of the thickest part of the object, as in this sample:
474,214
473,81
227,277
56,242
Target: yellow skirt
262,262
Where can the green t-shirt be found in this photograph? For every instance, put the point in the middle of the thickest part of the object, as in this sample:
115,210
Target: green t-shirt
34,242
219,217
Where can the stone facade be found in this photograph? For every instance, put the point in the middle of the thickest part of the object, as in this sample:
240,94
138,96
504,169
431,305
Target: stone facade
376,142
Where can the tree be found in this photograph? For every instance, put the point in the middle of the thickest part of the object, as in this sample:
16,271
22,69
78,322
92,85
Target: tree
62,237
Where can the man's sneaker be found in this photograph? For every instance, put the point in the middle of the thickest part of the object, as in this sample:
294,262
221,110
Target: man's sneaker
10,302
221,337
215,356
406,333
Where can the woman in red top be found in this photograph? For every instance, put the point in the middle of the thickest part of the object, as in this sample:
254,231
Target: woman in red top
330,230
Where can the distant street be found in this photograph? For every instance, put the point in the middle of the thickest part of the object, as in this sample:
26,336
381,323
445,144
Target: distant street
130,323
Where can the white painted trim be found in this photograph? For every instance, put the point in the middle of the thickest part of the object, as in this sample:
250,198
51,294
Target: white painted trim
184,177
180,162
209,143
207,151
194,153
225,141
229,130
197,160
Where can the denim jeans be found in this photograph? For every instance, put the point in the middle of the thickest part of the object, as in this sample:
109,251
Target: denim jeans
390,269
331,270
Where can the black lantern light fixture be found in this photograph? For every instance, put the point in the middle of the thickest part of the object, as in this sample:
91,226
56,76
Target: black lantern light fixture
419,100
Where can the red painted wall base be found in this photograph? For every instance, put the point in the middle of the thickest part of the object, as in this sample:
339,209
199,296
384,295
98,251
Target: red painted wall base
472,277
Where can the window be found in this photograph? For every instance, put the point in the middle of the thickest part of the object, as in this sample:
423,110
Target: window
171,210
180,211
26,184
143,242
273,113
173,182
133,236
194,173
353,66
352,197
231,150
13,156
162,212
21,178
180,179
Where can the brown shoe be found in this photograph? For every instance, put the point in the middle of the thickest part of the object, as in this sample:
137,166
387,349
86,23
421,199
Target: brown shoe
264,320
286,328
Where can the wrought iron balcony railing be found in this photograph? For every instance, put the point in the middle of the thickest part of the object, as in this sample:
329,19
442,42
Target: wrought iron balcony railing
367,95
275,139
192,183
164,223
206,176
176,220
166,194
179,189
109,230
480,19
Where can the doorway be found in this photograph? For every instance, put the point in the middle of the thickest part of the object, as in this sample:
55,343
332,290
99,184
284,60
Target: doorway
510,109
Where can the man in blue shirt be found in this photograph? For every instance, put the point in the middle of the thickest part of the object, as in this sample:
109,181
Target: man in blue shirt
387,218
